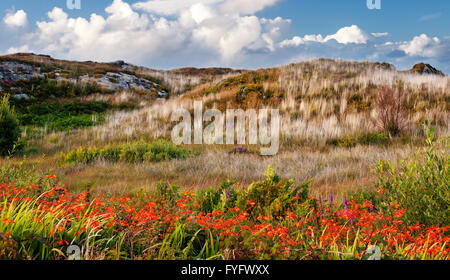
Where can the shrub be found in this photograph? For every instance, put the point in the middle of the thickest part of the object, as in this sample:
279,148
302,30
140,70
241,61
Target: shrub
272,196
63,116
158,150
421,186
245,92
392,111
350,141
222,199
9,127
167,193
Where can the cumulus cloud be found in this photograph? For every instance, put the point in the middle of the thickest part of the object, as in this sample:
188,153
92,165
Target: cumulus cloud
350,34
176,33
173,7
246,6
17,19
198,29
346,35
421,46
170,7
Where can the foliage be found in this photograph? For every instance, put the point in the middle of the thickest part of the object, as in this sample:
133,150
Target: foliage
421,186
9,127
156,151
63,116
369,138
43,88
272,196
167,193
222,199
41,224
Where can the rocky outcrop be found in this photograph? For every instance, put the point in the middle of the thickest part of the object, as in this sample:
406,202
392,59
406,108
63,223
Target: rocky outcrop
422,68
12,72
123,79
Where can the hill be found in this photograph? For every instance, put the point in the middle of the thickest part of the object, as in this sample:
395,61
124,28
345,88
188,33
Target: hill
338,118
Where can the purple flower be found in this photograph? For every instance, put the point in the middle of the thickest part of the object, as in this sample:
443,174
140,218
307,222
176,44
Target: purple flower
345,204
228,194
331,199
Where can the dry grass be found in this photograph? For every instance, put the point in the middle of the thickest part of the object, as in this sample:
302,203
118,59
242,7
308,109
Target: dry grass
336,171
318,100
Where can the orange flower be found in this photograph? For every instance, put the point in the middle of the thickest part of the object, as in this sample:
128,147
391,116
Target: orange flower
251,203
381,191
8,221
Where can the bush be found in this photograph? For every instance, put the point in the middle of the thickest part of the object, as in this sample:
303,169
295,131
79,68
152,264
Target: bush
9,127
159,150
245,92
222,199
63,116
272,196
167,193
392,111
350,141
421,186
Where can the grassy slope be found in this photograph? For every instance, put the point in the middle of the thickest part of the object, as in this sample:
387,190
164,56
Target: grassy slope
319,101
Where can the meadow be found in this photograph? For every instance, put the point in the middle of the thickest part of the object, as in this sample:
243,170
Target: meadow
363,165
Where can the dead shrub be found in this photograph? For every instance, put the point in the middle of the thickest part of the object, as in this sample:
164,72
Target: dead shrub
392,113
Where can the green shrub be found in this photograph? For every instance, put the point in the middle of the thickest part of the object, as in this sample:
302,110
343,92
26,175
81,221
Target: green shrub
45,88
245,92
25,173
421,186
272,196
222,199
349,141
158,150
9,127
63,116
167,193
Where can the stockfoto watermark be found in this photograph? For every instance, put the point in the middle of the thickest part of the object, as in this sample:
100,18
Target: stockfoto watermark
235,128
374,4
73,4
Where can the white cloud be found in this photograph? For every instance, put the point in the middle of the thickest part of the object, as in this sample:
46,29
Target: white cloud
176,33
170,7
421,46
381,34
198,29
232,7
17,19
22,49
346,35
350,34
430,17
246,6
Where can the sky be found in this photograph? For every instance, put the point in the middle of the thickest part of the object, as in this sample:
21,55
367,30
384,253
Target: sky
229,33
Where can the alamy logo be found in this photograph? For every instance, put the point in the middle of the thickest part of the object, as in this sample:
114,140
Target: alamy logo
74,253
374,4
234,124
74,4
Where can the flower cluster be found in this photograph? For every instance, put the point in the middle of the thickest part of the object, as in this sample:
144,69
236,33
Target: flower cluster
158,228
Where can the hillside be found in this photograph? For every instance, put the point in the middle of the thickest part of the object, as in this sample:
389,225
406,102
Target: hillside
114,76
333,118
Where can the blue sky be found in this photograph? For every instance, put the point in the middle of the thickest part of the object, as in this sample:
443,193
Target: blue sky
236,33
